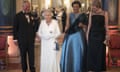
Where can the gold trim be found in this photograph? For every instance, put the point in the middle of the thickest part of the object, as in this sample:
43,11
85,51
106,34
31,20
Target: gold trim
4,31
6,26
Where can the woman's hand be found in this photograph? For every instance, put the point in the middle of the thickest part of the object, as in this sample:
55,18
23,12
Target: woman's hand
16,42
107,40
84,27
80,25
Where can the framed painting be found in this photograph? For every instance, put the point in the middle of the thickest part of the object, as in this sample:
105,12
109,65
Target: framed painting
113,12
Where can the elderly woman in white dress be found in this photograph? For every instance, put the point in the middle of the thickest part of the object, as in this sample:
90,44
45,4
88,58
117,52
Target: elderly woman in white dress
48,32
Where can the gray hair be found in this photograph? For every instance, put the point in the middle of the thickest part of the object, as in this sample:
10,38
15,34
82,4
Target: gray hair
25,1
47,11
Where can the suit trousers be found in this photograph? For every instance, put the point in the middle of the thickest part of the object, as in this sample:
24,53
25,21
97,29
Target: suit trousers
27,51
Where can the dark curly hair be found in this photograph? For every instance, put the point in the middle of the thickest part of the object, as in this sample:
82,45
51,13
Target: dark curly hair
76,2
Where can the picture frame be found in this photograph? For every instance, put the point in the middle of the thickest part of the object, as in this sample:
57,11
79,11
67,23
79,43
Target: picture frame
113,12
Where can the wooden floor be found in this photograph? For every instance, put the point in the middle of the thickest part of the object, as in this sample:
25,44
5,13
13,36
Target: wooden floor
37,64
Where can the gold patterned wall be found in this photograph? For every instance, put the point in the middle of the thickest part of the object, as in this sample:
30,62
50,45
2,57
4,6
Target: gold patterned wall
54,3
50,3
18,5
41,4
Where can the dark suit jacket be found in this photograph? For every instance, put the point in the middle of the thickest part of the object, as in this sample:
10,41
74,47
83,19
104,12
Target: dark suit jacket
23,30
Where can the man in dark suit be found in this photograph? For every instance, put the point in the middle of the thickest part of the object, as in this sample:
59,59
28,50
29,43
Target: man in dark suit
64,18
24,36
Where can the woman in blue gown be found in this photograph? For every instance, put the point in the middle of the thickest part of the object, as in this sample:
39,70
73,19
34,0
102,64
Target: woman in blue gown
73,47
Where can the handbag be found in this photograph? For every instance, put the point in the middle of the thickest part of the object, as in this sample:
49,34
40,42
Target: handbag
57,46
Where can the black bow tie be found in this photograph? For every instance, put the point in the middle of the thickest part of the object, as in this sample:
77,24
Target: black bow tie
26,13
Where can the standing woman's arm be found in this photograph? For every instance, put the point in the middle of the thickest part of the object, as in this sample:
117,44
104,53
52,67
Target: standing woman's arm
89,25
67,23
39,31
42,34
56,33
106,25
